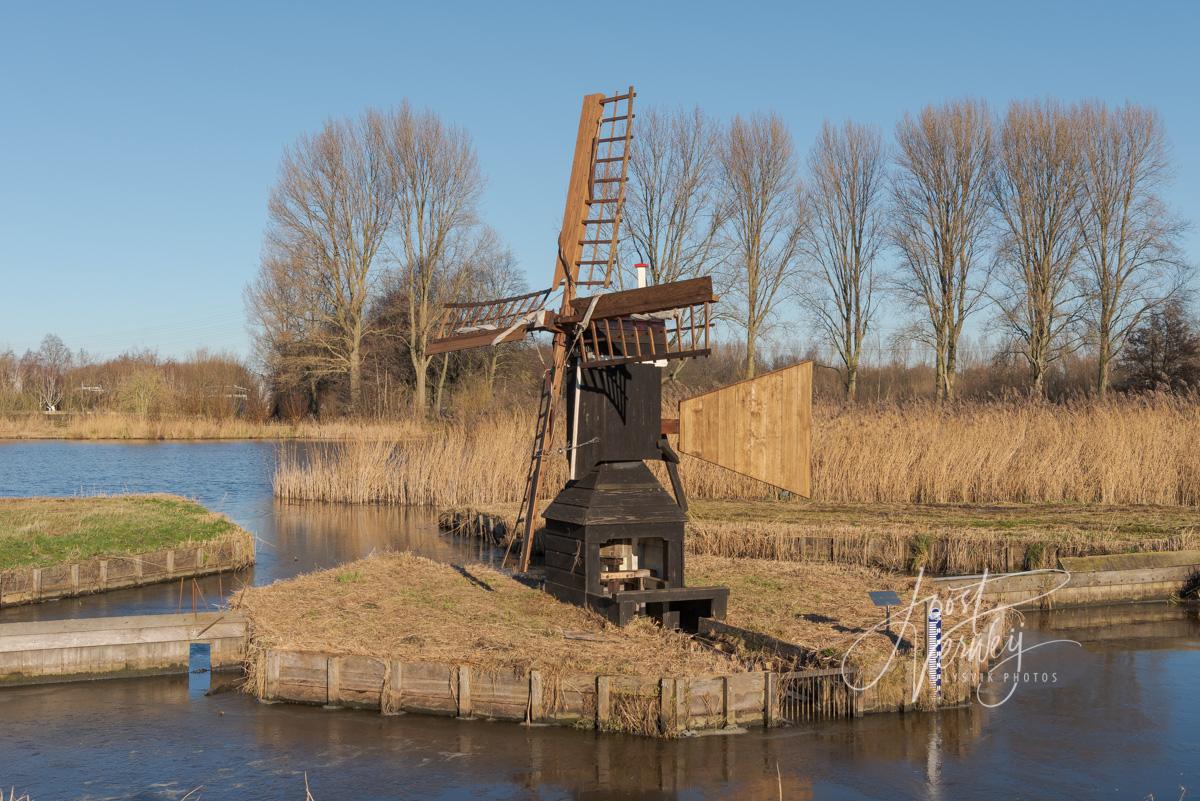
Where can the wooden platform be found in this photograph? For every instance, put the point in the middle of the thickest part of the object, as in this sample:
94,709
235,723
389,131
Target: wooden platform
109,647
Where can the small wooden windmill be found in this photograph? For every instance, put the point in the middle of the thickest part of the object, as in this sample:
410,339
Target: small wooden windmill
614,537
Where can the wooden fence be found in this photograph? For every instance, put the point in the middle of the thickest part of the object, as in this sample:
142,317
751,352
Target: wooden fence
651,706
32,584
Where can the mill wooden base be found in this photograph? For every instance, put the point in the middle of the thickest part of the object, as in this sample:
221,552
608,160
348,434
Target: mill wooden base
678,608
614,544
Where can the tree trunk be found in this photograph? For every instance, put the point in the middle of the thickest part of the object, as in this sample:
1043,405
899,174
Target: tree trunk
1037,371
441,384
939,376
355,380
419,387
949,369
492,363
851,382
751,356
1103,361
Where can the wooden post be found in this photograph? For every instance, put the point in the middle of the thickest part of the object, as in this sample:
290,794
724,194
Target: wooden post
771,700
36,584
668,706
603,702
392,702
333,680
137,569
75,577
464,691
682,718
271,690
727,704
170,561
534,712
103,574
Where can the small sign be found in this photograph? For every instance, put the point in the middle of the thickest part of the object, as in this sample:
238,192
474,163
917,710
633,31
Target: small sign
884,598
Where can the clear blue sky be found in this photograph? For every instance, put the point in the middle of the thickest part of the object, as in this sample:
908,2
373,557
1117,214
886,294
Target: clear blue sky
138,142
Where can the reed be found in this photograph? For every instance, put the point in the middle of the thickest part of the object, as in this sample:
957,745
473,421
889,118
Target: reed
119,426
1120,452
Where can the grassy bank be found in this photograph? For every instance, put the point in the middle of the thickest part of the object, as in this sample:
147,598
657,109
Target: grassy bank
1119,453
40,532
398,606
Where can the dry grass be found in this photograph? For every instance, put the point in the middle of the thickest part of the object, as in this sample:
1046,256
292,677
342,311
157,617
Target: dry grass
397,606
825,609
1120,453
822,608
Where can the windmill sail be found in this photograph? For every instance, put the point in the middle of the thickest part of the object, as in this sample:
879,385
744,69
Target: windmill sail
587,242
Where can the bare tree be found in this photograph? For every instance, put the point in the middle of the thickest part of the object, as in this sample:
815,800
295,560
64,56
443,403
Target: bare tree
437,186
762,213
1130,240
841,235
1037,189
671,215
47,367
492,272
940,223
329,213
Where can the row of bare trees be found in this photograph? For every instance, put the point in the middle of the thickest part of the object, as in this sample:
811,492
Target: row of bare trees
52,378
1050,216
381,207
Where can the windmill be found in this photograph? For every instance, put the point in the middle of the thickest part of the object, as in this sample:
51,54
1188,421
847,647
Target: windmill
613,539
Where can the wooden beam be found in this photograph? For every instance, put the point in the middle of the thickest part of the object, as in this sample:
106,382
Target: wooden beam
477,339
644,300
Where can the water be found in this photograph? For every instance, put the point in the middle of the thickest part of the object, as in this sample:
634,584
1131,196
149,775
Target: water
229,477
1117,716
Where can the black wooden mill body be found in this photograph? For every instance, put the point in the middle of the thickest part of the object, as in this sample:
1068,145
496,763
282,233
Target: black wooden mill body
614,536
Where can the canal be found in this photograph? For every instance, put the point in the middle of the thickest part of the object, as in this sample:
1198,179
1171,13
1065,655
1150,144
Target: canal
1111,714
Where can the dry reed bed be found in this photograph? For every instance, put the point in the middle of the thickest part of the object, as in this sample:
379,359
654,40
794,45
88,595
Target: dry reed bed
1123,452
942,539
397,606
117,426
